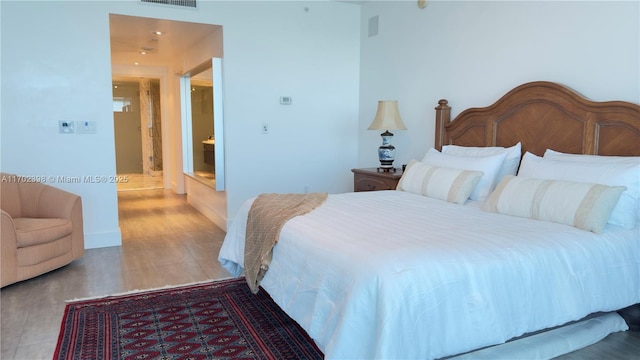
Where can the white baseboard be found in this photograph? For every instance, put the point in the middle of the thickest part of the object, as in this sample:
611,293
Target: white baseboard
208,212
102,239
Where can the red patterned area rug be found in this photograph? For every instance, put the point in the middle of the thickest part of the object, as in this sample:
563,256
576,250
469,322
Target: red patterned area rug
215,320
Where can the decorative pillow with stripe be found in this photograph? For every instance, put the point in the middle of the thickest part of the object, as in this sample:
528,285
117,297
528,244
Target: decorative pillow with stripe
582,205
442,183
612,171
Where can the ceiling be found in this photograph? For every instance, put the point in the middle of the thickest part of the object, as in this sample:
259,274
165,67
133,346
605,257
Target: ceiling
130,35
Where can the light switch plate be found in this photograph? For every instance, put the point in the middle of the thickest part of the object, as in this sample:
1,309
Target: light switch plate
85,127
65,127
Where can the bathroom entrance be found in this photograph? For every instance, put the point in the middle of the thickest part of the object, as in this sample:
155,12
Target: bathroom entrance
203,155
138,132
202,130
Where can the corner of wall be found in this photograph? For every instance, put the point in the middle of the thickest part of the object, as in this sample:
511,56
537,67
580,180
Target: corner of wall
103,239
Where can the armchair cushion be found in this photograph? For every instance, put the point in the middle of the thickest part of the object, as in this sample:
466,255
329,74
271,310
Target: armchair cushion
31,231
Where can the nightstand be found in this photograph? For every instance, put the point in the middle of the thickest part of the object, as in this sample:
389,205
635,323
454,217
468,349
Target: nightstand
370,179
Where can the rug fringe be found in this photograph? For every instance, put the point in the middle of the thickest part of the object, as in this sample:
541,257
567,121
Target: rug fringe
137,291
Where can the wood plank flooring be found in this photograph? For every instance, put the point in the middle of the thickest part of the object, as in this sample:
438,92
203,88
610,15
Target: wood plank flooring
165,242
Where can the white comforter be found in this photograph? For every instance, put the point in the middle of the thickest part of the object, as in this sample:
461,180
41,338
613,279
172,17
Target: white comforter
394,275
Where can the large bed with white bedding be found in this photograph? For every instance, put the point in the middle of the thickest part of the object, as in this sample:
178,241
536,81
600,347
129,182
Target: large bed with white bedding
409,274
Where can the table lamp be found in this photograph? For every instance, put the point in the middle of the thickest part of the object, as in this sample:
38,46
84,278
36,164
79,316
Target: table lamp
387,118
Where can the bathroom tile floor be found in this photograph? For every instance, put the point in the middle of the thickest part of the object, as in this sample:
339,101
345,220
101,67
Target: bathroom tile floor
139,182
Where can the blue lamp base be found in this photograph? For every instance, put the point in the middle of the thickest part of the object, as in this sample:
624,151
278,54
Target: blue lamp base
386,152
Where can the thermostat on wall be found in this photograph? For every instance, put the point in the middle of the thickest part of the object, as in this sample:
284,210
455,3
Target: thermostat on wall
285,100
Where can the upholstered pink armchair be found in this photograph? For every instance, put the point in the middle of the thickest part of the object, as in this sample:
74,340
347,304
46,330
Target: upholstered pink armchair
41,228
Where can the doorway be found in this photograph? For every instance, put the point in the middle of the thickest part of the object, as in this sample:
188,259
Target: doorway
138,133
202,131
203,124
167,49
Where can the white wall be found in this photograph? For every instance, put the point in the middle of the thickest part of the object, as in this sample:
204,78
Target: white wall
472,52
312,56
56,66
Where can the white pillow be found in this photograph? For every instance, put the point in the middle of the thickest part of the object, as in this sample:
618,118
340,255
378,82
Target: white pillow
599,159
488,165
582,205
509,165
625,213
452,185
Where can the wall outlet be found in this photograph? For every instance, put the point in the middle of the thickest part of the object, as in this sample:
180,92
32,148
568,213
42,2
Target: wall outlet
265,128
65,127
285,100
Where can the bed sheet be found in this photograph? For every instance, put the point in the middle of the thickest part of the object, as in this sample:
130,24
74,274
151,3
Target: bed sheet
389,274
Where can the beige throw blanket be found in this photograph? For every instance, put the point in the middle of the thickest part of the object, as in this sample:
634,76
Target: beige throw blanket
267,216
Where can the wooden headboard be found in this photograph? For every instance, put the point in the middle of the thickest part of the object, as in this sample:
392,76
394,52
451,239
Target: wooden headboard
544,115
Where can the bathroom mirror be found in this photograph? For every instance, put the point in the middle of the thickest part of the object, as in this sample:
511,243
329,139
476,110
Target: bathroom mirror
203,149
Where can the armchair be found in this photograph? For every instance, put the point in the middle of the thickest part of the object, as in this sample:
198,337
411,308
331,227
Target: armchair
41,229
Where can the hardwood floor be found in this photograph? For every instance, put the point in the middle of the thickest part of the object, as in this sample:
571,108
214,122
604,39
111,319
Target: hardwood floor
618,346
165,242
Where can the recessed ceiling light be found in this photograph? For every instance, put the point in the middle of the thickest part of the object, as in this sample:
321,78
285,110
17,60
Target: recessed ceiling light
143,52
136,63
158,32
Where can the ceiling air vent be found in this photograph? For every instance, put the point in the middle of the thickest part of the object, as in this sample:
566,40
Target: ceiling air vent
185,3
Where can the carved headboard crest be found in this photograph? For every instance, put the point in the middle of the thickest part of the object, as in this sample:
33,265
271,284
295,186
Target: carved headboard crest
544,115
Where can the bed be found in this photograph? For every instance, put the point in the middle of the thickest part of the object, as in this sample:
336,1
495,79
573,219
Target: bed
403,274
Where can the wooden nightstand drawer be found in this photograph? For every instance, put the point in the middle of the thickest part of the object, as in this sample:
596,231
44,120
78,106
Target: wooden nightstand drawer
371,180
371,184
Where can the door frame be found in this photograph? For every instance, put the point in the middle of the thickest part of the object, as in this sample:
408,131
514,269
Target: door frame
218,119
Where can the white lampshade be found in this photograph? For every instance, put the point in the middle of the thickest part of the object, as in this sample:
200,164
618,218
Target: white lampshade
387,117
